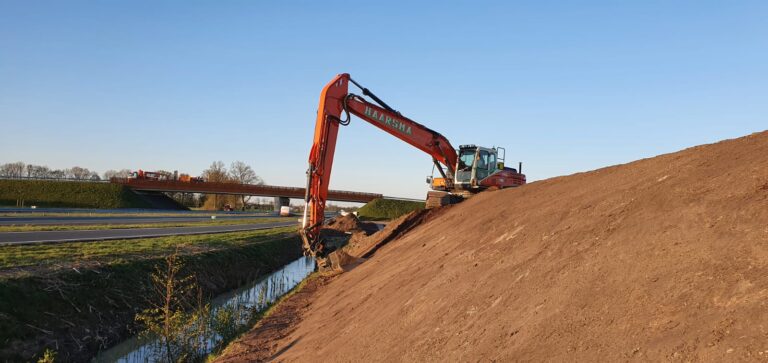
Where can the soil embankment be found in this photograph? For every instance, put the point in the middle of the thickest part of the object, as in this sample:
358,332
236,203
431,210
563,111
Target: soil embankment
349,223
69,194
386,209
661,259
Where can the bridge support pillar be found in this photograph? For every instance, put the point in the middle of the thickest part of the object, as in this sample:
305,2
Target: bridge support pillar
281,202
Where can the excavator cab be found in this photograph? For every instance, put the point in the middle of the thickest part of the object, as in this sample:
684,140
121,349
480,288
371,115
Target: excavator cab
477,168
475,164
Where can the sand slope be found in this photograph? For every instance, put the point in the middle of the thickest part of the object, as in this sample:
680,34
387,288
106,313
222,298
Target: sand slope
660,259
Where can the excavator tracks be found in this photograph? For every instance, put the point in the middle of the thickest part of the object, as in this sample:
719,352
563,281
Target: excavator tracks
437,199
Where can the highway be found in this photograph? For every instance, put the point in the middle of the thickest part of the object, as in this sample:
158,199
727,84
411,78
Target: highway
38,237
93,220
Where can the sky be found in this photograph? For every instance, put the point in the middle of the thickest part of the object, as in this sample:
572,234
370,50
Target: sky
564,86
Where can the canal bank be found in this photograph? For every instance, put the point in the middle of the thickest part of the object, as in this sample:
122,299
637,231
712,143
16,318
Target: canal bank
78,312
226,317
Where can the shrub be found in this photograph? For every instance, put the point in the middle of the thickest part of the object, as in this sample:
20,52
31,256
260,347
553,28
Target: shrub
380,209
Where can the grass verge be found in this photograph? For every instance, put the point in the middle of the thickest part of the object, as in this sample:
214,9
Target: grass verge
50,193
87,299
385,209
125,213
75,254
75,227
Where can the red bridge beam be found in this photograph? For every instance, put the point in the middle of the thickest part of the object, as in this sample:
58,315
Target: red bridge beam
238,189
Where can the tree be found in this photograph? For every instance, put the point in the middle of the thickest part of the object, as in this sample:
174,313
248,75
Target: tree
217,173
41,171
243,173
80,173
12,170
122,173
37,171
58,174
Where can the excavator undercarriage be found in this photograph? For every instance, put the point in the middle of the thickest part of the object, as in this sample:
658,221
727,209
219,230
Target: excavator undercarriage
437,199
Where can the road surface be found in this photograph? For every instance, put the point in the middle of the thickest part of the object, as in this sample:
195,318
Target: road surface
64,220
20,238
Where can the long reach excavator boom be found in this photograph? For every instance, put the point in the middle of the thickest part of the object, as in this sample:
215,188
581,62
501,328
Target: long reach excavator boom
476,169
336,102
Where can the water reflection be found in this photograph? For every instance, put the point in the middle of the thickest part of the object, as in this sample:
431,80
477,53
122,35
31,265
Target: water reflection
241,302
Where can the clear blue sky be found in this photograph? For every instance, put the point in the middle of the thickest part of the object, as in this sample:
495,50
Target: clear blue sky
565,86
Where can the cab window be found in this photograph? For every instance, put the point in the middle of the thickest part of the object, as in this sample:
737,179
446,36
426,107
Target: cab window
483,160
466,159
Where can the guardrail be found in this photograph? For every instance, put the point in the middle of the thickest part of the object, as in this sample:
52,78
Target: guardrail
53,179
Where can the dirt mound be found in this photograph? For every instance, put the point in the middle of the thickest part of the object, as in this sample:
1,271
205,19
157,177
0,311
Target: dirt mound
661,259
349,223
362,246
337,232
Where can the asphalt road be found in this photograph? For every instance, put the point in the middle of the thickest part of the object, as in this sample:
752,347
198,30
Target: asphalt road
63,220
19,238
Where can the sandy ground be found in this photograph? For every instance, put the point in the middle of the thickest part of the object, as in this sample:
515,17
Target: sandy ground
264,341
663,259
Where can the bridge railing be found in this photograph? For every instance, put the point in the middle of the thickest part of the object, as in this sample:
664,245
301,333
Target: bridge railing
53,179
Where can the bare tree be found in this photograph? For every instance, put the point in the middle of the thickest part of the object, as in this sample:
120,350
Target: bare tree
80,173
122,173
12,170
58,174
217,173
39,171
243,173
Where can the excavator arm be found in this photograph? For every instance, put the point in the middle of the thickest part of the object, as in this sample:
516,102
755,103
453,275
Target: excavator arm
336,102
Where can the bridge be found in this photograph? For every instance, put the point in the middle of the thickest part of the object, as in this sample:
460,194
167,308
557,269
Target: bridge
281,194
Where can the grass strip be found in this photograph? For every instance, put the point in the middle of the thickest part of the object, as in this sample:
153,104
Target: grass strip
117,251
72,194
385,209
79,311
129,213
75,227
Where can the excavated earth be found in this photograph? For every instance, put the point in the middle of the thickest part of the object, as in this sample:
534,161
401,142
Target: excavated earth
662,259
349,224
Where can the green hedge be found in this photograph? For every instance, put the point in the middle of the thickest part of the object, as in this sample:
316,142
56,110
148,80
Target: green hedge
381,209
45,193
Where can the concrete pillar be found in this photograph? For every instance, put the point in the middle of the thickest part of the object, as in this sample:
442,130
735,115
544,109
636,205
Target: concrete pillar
281,202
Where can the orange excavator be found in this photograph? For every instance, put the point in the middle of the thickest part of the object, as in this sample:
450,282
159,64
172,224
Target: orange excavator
463,172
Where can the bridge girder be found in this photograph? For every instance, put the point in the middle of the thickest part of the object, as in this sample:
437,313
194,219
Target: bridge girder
238,189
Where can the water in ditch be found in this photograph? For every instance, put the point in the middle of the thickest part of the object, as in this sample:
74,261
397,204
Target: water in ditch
256,296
